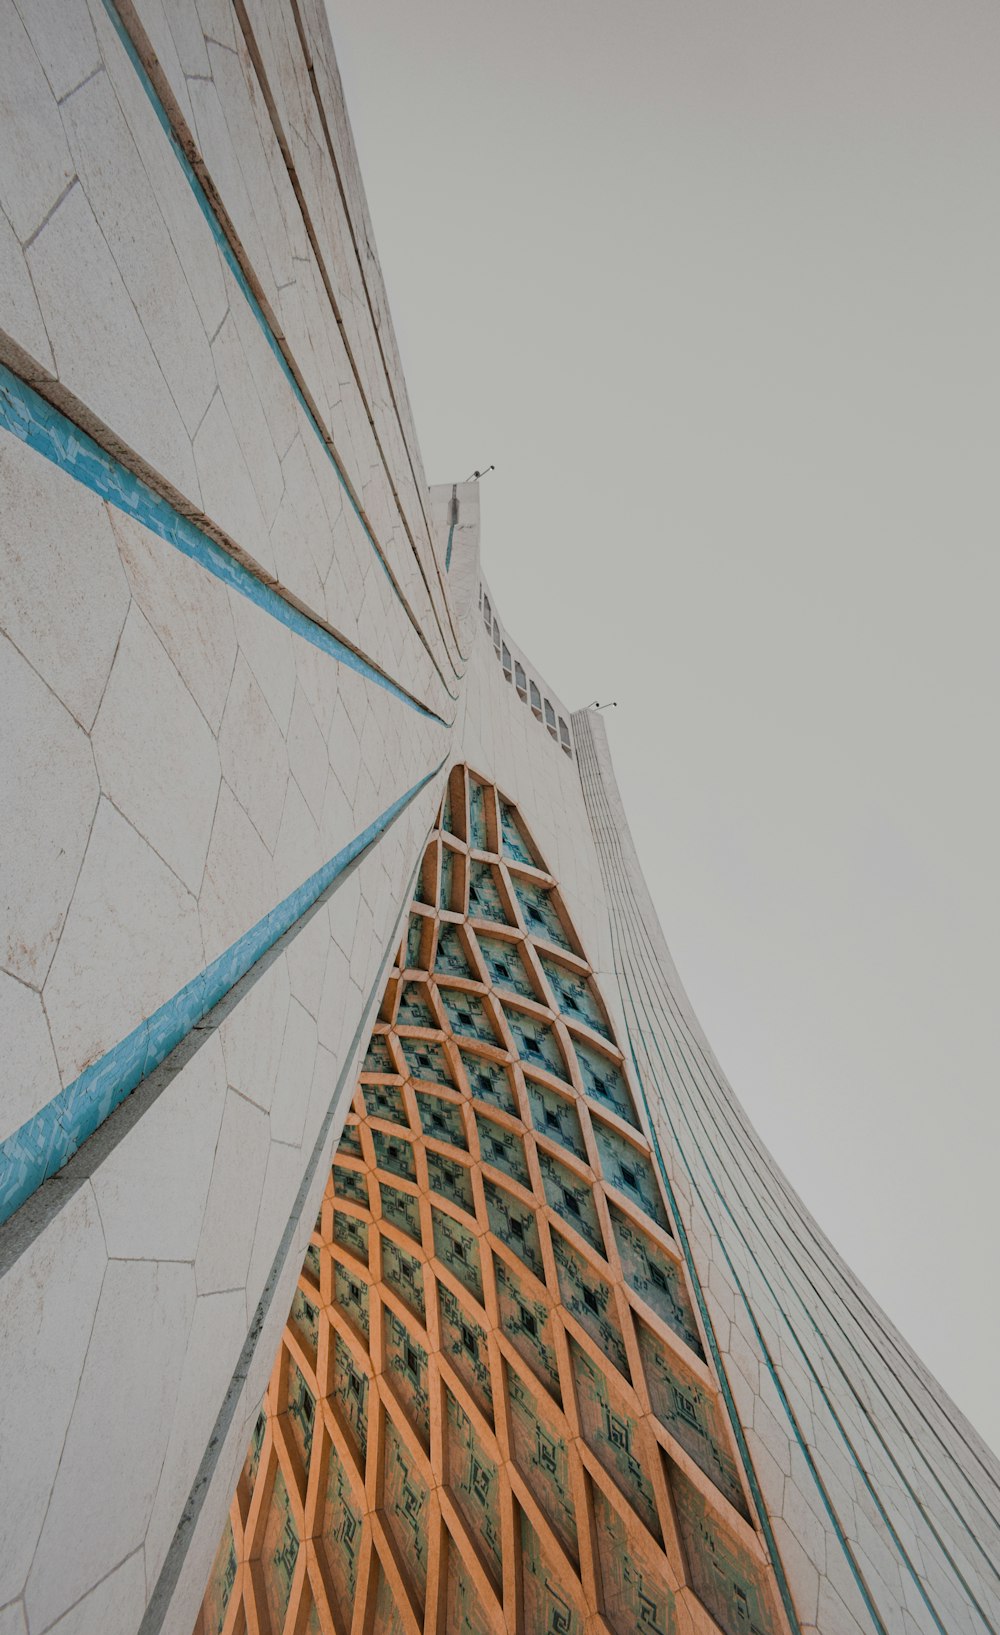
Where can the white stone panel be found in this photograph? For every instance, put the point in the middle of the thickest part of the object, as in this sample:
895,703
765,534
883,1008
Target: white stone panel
151,1188
155,752
47,1304
30,1075
45,815
131,940
62,587
110,1464
237,1176
188,609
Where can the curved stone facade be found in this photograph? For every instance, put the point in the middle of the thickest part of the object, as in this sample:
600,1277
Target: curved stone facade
246,654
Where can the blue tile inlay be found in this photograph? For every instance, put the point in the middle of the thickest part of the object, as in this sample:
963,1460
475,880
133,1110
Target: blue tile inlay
48,1140
227,252
31,418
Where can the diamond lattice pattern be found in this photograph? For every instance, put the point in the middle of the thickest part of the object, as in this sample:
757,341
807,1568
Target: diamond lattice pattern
492,1408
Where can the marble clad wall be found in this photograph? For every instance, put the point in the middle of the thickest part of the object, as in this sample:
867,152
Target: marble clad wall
240,644
882,1500
228,659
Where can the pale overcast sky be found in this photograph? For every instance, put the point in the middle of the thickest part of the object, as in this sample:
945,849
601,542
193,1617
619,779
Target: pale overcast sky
716,287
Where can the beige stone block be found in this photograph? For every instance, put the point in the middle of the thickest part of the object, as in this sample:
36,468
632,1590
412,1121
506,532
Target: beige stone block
228,497
47,804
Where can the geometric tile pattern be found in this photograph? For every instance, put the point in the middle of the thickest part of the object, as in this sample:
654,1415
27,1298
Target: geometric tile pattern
492,1408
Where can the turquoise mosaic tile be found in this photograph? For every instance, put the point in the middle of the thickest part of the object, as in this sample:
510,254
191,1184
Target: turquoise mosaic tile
395,1154
657,1279
404,1274
402,1209
628,1169
280,1552
525,1322
485,902
351,1233
450,878
571,1198
451,1179
414,934
603,1081
535,1042
426,1061
612,1433
503,1149
690,1411
474,1482
385,1101
414,1010
467,1015
540,914
450,959
488,1081
406,1503
542,1457
301,1412
515,1224
350,1393
478,833
220,1582
350,1293
463,1340
458,1249
350,1183
574,996
252,1463
441,1119
464,1612
350,1142
556,1117
406,1365
590,1300
635,1595
341,1540
377,1059
304,1318
723,1575
513,840
505,966
548,1609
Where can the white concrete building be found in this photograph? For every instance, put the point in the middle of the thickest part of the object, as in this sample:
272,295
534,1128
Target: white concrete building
246,653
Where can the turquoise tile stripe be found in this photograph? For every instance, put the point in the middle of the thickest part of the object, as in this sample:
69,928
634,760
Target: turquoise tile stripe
48,1140
447,554
232,262
35,421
